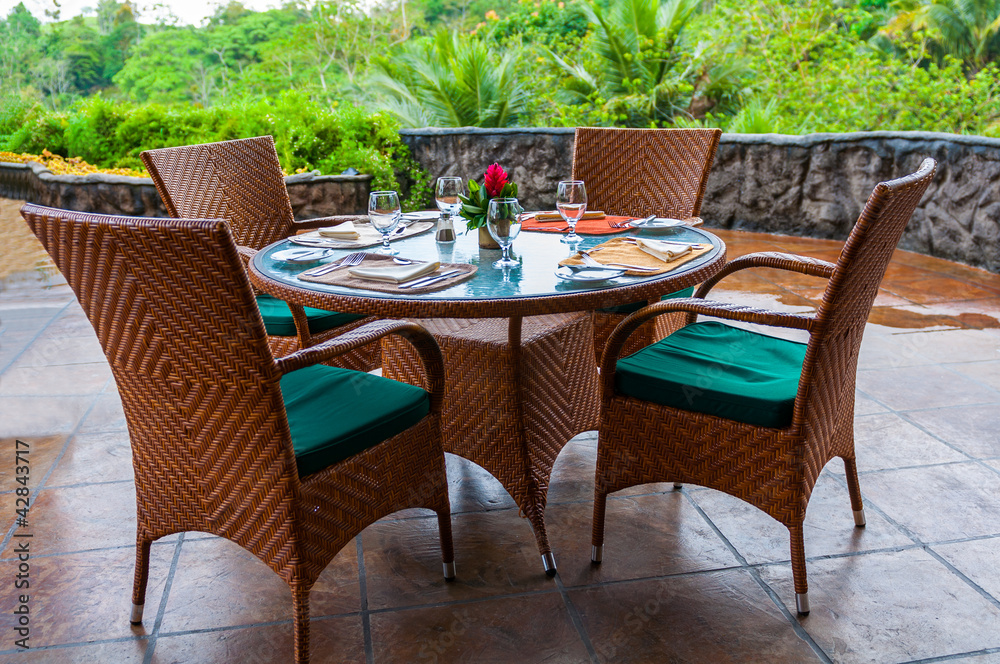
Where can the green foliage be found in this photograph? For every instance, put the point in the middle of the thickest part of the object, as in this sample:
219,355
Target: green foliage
477,203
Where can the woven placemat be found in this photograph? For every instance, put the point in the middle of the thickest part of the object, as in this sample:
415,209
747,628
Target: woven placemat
369,236
620,250
343,277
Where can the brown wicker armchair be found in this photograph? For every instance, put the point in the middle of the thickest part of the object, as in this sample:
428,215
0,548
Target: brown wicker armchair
287,458
745,413
636,173
241,181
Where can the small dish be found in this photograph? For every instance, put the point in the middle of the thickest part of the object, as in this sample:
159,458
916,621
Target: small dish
421,215
587,274
659,224
301,255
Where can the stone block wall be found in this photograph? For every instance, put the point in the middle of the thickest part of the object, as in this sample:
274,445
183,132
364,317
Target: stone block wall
811,185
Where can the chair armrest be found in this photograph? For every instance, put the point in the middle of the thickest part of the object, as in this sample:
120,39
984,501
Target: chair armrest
322,222
793,262
246,254
421,340
695,306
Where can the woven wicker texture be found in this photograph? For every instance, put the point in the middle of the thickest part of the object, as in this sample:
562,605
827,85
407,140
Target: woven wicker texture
517,391
773,469
241,181
636,173
211,450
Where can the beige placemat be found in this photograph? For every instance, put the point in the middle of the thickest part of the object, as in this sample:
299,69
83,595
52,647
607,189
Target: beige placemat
620,250
343,277
369,236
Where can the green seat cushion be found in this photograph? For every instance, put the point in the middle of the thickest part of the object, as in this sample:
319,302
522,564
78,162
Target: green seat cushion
278,319
335,413
632,307
719,370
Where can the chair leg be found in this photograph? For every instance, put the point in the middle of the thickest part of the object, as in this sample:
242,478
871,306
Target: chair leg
141,577
851,471
597,536
300,605
447,547
799,569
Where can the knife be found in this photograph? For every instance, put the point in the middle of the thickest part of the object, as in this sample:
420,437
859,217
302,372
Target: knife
420,283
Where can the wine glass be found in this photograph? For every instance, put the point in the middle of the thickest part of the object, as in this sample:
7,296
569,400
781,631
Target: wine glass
503,220
446,195
571,201
384,213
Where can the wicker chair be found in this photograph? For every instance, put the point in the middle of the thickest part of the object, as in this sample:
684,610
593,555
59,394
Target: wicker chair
287,458
241,181
649,171
747,414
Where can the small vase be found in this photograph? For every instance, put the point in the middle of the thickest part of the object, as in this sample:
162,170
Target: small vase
486,240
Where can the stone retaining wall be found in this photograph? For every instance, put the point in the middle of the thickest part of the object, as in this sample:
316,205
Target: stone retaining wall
811,185
312,195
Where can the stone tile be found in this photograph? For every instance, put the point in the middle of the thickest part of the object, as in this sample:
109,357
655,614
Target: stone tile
886,440
973,429
829,525
29,417
977,314
912,318
644,536
961,346
47,351
95,457
65,379
939,503
87,596
107,415
887,350
715,617
864,405
40,452
330,640
889,607
573,474
914,388
985,658
472,489
220,584
937,289
79,518
495,554
535,628
120,652
978,559
987,373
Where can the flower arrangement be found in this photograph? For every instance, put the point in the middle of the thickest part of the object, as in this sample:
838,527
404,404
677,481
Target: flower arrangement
496,184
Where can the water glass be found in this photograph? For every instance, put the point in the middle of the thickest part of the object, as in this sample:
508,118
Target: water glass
571,201
384,213
503,221
446,195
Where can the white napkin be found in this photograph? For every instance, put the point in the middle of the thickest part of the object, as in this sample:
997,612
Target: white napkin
665,251
397,273
342,231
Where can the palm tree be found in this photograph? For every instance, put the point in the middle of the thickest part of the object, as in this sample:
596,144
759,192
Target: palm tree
967,29
451,81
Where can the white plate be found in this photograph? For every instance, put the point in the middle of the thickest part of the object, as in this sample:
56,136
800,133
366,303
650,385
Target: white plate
587,274
301,255
659,224
422,215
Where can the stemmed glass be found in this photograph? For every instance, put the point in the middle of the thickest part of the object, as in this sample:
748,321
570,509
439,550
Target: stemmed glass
571,201
384,213
446,196
503,220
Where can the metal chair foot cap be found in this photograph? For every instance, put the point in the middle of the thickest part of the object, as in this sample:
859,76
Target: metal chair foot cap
549,563
136,617
859,518
678,486
802,603
597,553
449,571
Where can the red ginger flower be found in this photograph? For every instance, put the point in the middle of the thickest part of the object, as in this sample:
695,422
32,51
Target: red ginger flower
496,178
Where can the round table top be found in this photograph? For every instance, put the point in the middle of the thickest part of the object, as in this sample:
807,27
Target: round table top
530,289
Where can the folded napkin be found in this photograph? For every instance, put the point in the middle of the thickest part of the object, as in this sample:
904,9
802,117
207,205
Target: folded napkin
665,251
342,231
555,216
397,273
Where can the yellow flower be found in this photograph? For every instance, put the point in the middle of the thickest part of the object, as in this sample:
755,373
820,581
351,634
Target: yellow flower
492,15
561,5
535,14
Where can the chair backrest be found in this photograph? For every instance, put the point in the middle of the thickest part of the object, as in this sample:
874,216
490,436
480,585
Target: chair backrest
637,172
175,315
829,371
239,181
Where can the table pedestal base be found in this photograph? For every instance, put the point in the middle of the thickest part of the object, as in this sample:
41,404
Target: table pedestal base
516,391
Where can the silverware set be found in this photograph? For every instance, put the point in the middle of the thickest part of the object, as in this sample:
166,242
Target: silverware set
631,223
347,261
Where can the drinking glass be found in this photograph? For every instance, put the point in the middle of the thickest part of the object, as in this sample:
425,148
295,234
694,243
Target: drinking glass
571,201
503,220
446,195
384,213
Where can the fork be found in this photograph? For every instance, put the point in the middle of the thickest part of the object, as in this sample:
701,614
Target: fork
347,261
628,223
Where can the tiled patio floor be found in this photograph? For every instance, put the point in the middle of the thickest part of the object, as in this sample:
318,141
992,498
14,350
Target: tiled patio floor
689,575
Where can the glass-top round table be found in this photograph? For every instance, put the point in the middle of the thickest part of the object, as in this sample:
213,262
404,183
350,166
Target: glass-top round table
532,288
